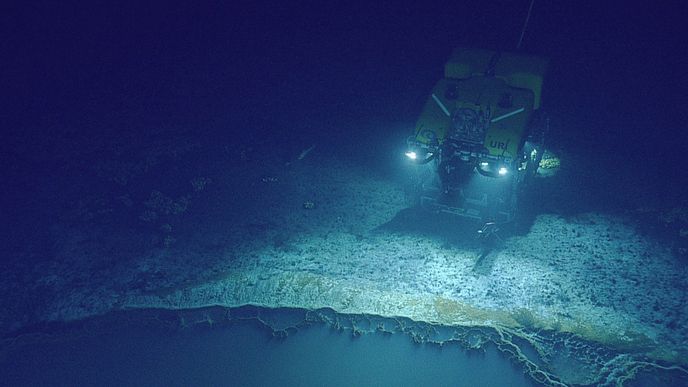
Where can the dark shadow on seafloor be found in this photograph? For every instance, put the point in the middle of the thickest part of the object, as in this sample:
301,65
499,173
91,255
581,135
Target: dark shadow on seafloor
452,230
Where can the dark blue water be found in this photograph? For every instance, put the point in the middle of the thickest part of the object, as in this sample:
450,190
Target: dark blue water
252,346
135,350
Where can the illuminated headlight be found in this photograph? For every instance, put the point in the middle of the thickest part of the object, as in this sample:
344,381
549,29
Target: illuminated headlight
411,155
502,171
484,164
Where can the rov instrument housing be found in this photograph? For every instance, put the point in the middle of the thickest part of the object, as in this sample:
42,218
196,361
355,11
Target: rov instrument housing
481,133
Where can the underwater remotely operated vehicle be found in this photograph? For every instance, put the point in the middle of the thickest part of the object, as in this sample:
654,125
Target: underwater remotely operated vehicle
480,137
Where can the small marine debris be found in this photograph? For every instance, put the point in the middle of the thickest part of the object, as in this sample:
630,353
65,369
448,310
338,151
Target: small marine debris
269,179
302,155
549,165
305,152
674,215
245,153
163,204
308,205
168,241
200,183
148,216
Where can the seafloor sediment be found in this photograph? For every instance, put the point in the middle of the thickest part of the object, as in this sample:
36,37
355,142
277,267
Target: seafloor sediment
246,237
